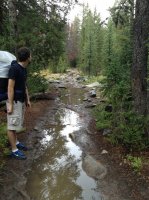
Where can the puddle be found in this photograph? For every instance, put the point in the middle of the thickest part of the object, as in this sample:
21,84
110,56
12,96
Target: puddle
72,96
58,173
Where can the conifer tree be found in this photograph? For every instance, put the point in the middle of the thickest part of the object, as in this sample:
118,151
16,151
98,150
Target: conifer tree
73,41
90,42
140,56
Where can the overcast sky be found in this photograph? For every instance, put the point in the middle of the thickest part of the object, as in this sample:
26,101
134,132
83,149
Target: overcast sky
101,6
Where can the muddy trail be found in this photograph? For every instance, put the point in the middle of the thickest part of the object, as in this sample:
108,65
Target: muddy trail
66,160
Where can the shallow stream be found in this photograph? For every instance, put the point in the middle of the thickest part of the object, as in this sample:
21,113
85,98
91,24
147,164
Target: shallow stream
58,173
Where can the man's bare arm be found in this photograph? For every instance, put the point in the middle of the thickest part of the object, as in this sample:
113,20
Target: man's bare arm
28,103
11,84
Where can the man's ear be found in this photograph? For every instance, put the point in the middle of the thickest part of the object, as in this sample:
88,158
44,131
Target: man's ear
29,59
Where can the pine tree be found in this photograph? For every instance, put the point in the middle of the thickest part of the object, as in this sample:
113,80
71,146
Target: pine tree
140,56
73,38
90,42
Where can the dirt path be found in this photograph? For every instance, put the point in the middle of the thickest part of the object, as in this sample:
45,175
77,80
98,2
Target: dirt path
99,159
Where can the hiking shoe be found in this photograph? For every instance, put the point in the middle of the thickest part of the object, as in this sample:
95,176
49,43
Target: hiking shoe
21,146
18,155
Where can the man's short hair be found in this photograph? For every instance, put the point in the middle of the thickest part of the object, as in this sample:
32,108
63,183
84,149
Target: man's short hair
23,54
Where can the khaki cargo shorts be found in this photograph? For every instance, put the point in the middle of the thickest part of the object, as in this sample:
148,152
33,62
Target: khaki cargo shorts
15,120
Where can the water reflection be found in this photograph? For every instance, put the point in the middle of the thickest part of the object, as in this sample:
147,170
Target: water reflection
47,138
77,98
58,174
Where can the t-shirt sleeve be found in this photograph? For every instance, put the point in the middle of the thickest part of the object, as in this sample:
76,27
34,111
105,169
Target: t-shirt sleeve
12,74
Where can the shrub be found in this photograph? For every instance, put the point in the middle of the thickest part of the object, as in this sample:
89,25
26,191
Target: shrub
37,83
135,162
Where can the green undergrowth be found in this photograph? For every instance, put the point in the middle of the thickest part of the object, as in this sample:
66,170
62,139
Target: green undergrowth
37,84
92,79
4,150
103,118
127,129
135,162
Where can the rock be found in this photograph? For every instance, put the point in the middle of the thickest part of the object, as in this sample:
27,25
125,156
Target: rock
81,78
95,84
85,99
36,128
102,101
68,70
90,105
104,152
108,108
62,86
92,93
94,168
83,86
53,123
53,81
71,135
106,131
89,100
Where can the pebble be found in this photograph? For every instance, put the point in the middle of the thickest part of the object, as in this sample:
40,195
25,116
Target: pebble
104,152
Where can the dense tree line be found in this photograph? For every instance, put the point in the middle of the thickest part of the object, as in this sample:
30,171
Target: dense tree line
38,24
119,51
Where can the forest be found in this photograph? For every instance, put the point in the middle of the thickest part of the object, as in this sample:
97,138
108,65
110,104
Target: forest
115,51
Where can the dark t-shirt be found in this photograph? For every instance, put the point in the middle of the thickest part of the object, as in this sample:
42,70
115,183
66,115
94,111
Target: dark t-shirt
19,74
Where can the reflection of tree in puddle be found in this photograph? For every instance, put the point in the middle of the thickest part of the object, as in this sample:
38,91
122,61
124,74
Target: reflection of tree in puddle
54,175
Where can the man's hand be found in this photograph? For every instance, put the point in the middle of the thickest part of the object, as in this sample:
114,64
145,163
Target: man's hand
28,104
10,108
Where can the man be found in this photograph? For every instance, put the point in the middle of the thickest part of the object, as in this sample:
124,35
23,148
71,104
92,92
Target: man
17,98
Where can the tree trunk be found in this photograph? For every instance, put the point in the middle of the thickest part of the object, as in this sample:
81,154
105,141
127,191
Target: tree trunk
1,17
140,56
13,21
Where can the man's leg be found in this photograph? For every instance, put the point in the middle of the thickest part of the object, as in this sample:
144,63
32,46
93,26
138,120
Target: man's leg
12,139
13,124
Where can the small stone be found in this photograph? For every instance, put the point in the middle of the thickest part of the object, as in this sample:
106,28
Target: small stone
62,87
90,105
36,128
71,135
104,152
85,99
106,131
95,84
83,86
108,108
92,93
